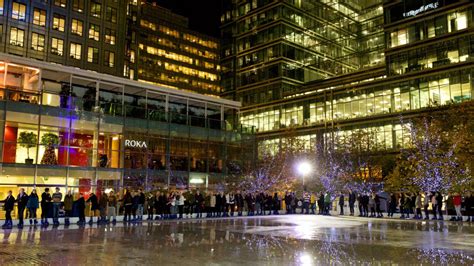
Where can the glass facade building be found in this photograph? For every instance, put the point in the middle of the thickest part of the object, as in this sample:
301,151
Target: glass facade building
379,60
81,130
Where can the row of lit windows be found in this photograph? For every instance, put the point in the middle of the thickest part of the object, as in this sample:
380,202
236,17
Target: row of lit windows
451,88
39,15
177,57
176,34
17,38
430,28
440,54
183,47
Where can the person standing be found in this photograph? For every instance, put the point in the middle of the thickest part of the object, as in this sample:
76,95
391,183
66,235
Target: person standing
312,203
22,200
239,202
112,209
8,205
57,198
372,205
327,203
180,200
457,200
94,203
378,209
341,203
352,199
33,205
426,204
81,208
306,202
212,205
469,206
141,203
45,204
127,205
434,205
392,205
439,200
418,206
68,203
103,205
321,203
198,201
150,204
276,204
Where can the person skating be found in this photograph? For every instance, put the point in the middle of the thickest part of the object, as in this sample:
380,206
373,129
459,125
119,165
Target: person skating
306,202
22,200
327,203
439,200
56,199
312,203
45,206
33,205
150,204
392,205
8,205
141,204
68,203
199,202
276,204
378,209
418,205
127,205
180,202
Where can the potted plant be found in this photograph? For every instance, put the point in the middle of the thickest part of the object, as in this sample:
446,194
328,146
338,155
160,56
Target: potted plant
28,139
50,140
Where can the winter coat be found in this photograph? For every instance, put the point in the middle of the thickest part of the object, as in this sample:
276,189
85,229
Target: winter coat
94,203
104,200
22,200
9,203
457,200
33,201
68,202
418,202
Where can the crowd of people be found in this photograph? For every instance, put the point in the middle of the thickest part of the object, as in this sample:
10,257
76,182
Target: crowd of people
135,204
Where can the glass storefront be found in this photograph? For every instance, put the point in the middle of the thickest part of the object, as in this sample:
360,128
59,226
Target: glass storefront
80,131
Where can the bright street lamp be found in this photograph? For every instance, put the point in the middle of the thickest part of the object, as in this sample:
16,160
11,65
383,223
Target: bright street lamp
304,168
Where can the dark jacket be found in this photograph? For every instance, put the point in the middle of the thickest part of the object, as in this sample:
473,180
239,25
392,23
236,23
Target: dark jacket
45,198
22,200
81,205
94,203
141,199
352,198
68,202
33,201
103,201
9,203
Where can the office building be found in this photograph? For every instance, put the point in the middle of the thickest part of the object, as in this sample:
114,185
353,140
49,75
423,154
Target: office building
359,66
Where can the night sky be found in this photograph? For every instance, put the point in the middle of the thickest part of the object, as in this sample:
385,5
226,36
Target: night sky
204,15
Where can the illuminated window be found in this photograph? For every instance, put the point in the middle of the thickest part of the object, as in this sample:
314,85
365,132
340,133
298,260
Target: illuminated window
75,51
61,3
2,2
111,14
76,27
110,36
93,55
37,42
17,37
94,32
57,46
58,22
109,59
18,11
78,6
39,17
95,9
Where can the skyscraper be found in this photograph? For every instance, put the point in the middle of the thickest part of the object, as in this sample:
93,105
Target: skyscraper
327,66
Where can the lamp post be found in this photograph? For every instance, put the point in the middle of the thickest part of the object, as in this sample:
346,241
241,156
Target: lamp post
304,168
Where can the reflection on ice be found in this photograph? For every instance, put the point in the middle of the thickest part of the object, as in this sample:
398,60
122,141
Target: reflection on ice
279,240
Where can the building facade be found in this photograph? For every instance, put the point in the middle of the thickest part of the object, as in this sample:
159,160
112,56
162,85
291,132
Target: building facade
125,38
84,131
161,49
416,57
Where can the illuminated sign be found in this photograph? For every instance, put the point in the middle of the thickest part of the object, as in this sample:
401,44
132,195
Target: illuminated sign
135,143
421,9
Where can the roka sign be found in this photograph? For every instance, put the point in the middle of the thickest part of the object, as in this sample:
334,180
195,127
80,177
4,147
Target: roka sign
135,143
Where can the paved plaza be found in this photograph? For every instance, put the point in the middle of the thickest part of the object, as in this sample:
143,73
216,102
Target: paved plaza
271,240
